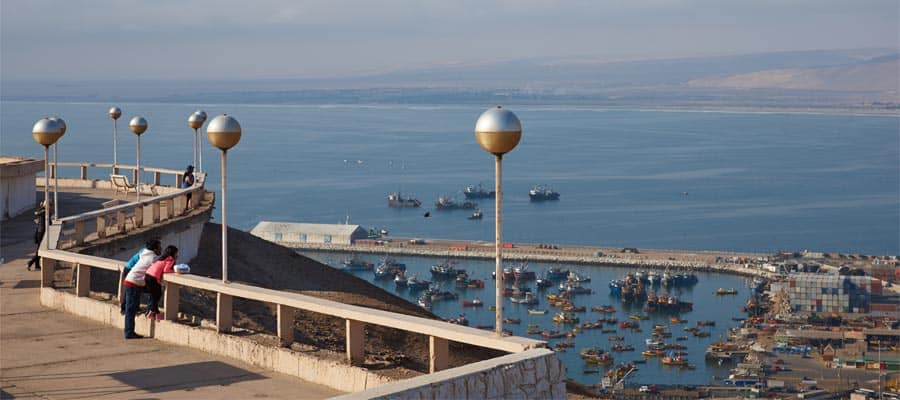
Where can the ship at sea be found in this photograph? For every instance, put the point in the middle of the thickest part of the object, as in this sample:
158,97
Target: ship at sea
541,193
446,203
478,192
396,200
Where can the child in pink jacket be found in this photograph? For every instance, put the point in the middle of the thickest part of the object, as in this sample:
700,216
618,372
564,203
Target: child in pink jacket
164,265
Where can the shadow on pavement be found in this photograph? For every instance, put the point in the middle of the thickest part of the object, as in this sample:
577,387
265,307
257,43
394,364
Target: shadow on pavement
185,376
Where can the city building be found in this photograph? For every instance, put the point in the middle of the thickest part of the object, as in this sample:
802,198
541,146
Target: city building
297,232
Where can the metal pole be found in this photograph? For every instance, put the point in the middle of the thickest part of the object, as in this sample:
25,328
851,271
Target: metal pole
46,195
115,144
224,224
199,154
498,174
196,140
55,182
137,185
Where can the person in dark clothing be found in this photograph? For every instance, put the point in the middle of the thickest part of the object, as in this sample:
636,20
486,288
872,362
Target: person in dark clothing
39,216
186,182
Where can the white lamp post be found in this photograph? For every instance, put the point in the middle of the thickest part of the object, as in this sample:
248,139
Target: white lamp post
224,132
202,115
195,121
138,125
62,131
498,131
46,132
115,113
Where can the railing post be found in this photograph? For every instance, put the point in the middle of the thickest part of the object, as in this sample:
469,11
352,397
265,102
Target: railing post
356,342
286,324
48,268
83,280
154,211
156,176
83,172
120,221
101,227
178,179
223,312
139,216
134,177
120,294
170,301
438,354
79,233
116,170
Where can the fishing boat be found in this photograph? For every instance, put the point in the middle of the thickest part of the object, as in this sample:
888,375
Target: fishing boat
514,321
673,359
447,203
478,192
534,311
543,283
541,193
443,295
414,284
665,303
554,334
628,324
565,318
615,287
574,288
461,320
653,353
602,359
424,302
604,309
446,270
476,302
557,274
622,347
725,292
475,215
355,263
616,338
653,278
382,273
521,273
574,277
527,299
590,352
396,200
533,329
638,317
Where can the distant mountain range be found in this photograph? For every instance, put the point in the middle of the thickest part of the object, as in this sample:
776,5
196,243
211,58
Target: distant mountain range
863,80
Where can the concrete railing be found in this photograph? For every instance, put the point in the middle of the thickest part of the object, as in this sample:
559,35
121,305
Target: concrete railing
84,171
356,318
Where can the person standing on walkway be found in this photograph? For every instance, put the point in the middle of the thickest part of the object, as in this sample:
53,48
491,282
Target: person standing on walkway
134,286
153,244
39,216
186,182
164,265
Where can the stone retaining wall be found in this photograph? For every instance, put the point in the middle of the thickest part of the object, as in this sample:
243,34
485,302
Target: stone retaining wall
532,374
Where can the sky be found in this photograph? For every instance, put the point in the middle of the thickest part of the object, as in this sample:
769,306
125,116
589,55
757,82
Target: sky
273,39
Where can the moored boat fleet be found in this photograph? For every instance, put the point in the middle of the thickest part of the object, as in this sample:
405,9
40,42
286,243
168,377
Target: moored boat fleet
538,193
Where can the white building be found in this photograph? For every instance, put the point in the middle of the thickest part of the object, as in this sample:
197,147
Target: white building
286,233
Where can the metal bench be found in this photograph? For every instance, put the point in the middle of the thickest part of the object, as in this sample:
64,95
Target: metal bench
120,182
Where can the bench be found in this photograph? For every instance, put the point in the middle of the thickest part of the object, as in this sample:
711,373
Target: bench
121,182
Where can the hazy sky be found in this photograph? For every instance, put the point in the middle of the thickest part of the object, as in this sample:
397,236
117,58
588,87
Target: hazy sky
215,39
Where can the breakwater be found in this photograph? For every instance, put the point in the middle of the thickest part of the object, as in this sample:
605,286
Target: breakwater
699,261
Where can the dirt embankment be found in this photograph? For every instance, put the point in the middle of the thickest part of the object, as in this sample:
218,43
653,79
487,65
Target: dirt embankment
259,262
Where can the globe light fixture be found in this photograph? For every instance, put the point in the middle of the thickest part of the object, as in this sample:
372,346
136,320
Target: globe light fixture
202,115
46,132
498,131
62,130
115,113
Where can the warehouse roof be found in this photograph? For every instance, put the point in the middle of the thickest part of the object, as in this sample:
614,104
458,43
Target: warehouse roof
301,227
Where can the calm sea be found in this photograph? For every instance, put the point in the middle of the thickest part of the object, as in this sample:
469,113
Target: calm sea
688,180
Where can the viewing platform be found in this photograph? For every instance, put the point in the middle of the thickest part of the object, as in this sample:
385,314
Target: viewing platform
83,255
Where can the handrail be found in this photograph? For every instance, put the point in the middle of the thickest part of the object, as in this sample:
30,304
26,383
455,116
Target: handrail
457,333
121,166
128,206
85,259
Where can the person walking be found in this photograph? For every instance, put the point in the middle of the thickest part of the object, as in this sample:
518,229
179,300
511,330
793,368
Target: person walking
39,215
134,285
154,278
186,182
154,245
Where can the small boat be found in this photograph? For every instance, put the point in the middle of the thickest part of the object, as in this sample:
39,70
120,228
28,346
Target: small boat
446,270
425,302
446,203
534,311
543,283
604,309
603,359
476,302
554,334
514,321
565,318
528,299
533,329
638,317
478,192
616,338
444,295
400,280
461,320
557,274
622,347
673,360
653,353
475,215
396,200
724,292
541,193
356,264
414,284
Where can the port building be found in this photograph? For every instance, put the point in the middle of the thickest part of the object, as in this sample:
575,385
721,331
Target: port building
285,233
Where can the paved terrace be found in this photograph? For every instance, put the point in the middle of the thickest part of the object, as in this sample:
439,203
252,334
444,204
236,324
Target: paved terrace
49,354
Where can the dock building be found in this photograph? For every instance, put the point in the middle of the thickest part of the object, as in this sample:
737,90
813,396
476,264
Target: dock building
298,232
828,293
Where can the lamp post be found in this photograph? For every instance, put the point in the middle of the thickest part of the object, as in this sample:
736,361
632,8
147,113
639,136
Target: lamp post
138,125
195,121
224,132
199,165
115,113
62,131
46,132
498,131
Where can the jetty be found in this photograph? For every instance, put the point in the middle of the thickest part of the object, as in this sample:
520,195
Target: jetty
630,257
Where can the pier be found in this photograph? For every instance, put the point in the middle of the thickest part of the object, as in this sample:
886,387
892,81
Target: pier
700,261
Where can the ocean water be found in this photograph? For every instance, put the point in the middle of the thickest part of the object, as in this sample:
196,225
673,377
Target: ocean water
707,306
664,179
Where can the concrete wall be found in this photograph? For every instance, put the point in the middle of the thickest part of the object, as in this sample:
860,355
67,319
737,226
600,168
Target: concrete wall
532,374
333,372
18,195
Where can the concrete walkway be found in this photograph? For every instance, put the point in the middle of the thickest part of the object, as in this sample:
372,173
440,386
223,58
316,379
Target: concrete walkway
48,354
